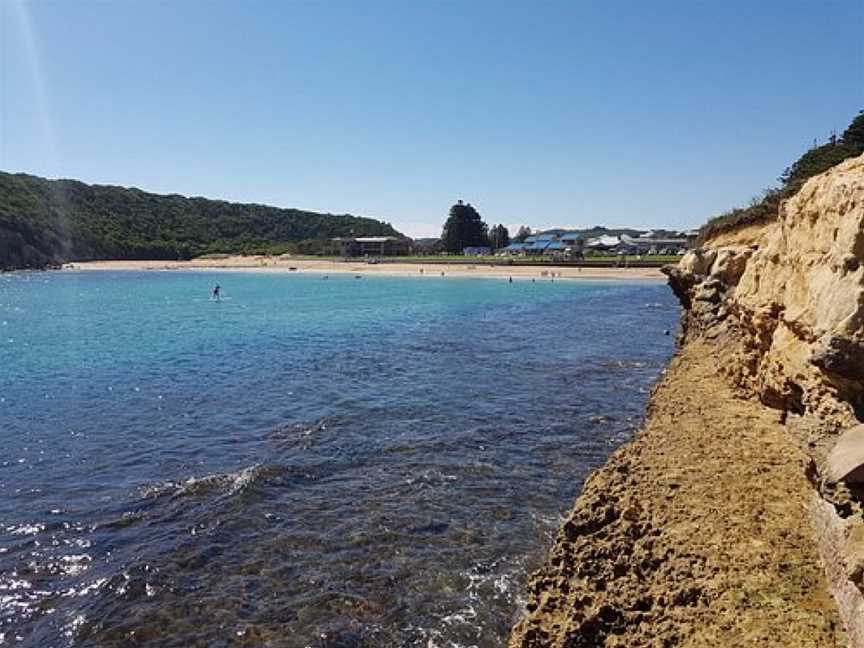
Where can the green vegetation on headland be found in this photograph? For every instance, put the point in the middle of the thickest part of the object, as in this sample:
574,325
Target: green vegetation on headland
49,222
815,161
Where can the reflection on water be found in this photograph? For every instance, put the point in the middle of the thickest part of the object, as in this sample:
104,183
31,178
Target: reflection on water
374,463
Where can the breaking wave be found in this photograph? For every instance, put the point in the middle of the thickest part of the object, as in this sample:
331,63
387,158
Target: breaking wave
230,483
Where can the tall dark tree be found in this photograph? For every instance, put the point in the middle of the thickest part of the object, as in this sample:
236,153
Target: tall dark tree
499,237
523,233
464,228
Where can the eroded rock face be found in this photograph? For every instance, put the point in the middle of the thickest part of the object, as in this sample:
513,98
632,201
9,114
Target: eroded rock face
788,309
792,301
841,357
694,532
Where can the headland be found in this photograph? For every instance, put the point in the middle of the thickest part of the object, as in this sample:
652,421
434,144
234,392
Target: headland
734,518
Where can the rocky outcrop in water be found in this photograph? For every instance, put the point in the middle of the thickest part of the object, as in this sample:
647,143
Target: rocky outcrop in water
727,521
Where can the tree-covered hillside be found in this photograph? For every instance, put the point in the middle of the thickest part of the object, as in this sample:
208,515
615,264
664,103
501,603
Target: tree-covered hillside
45,222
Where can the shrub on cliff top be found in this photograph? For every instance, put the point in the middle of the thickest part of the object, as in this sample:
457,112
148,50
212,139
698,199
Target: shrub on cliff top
815,161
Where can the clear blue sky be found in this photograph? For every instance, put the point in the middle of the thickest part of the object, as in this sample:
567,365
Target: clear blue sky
543,113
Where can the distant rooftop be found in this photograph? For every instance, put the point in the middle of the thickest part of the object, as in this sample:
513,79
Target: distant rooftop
603,241
367,239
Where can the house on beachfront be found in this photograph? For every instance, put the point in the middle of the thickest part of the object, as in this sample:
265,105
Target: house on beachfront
604,244
566,246
574,246
654,243
370,246
514,249
561,245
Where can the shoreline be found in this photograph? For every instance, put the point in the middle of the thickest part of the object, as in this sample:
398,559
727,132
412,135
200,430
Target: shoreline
396,269
697,532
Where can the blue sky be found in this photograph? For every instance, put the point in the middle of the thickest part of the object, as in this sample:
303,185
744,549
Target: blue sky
543,113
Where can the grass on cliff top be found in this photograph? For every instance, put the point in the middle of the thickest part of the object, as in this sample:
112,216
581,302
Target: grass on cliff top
818,159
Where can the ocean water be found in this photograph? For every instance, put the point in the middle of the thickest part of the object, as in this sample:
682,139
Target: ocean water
311,462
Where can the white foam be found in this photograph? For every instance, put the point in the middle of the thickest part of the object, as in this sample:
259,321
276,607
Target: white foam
233,483
26,529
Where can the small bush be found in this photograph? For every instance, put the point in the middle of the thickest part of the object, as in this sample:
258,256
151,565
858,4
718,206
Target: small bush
817,160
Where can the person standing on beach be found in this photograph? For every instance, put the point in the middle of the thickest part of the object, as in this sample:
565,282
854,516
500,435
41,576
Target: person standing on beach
217,293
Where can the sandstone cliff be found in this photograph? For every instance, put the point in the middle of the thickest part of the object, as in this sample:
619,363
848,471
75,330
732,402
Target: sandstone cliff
793,292
734,518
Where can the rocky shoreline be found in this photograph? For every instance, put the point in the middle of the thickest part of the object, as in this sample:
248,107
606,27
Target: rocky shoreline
735,517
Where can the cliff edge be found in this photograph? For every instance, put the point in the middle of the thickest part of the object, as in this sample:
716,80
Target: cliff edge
734,517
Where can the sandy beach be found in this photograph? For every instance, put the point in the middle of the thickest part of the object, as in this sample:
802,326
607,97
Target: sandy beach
330,266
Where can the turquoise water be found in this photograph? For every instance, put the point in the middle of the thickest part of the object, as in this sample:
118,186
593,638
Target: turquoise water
310,462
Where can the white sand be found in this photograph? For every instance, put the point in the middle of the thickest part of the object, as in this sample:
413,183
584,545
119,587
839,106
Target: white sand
330,266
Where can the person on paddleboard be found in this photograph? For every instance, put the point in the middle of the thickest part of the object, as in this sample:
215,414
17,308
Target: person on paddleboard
217,293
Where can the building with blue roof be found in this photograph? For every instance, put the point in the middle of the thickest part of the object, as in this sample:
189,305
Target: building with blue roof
561,245
515,248
537,246
571,245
